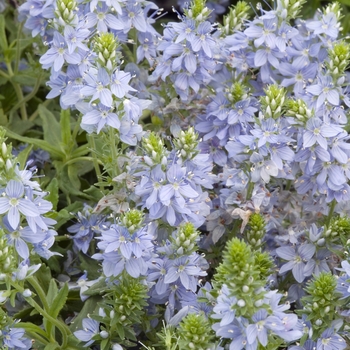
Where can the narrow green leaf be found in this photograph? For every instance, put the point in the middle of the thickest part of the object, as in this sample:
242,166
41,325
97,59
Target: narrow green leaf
52,292
3,39
73,176
81,151
52,188
52,346
23,155
90,306
54,151
59,301
51,127
65,128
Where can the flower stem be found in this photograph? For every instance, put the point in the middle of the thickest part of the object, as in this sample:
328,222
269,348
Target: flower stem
331,212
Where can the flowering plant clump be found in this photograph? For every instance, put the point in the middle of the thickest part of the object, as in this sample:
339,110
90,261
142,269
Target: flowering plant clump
174,180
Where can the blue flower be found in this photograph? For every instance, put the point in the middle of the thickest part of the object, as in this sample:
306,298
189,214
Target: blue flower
14,203
13,338
327,24
187,270
98,86
330,340
203,39
263,31
296,259
91,328
224,307
100,116
120,83
58,54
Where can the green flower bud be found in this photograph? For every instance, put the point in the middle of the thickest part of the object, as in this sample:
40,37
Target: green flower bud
185,239
338,59
334,7
7,255
156,153
255,230
240,271
66,11
238,92
321,302
195,332
105,46
132,219
293,8
198,11
234,20
298,109
186,143
338,229
273,103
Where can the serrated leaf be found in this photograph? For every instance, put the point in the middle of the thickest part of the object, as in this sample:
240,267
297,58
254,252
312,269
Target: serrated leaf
23,155
59,301
51,127
52,197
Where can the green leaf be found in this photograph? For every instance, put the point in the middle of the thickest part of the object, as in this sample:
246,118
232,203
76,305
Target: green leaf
3,39
52,197
52,346
46,146
23,155
90,306
24,79
44,277
59,301
65,128
89,264
52,292
73,176
51,127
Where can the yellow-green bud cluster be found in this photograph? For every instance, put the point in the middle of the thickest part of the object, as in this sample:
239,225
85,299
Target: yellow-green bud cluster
241,273
256,230
105,46
7,257
321,303
334,7
132,219
264,264
237,92
298,109
197,11
273,103
339,56
7,161
195,332
185,239
155,150
233,21
339,228
293,7
66,11
186,143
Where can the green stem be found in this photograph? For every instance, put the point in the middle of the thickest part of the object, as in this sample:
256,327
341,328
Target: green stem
62,327
250,190
78,159
288,185
36,113
2,73
29,96
39,291
18,46
331,212
18,91
92,144
112,138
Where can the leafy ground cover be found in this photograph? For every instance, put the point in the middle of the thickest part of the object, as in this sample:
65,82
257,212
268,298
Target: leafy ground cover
174,182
